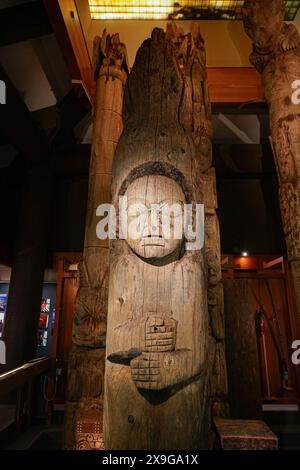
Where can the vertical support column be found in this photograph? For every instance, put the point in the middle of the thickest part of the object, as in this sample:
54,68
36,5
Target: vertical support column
30,251
83,415
276,49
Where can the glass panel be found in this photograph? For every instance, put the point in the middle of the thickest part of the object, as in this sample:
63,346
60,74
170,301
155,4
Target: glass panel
170,9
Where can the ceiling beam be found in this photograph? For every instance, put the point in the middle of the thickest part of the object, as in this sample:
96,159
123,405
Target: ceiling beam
234,85
66,24
235,129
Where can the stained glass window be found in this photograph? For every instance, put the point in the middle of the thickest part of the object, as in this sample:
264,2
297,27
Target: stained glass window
170,9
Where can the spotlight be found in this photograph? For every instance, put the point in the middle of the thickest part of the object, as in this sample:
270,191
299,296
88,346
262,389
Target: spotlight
245,254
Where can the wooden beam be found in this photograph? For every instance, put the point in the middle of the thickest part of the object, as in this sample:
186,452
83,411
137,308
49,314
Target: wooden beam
66,24
234,85
273,263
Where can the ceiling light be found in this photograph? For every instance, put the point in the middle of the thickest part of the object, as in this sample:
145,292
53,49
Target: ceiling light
170,9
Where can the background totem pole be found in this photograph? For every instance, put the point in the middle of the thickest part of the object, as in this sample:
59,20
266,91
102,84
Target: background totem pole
84,407
276,55
162,347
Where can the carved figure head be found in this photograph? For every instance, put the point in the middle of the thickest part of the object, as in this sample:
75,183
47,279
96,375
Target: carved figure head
263,20
213,267
155,208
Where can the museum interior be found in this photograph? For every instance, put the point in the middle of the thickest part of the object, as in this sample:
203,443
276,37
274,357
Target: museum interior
191,101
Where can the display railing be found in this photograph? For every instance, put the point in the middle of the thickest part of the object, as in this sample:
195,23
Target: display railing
17,391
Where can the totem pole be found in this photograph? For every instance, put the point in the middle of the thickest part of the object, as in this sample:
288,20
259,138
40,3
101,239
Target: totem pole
276,55
84,407
159,349
195,116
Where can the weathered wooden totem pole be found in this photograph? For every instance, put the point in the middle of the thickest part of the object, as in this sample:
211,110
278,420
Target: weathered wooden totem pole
160,350
276,55
84,407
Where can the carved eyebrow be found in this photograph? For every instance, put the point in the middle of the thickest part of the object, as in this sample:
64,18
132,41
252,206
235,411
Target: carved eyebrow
166,201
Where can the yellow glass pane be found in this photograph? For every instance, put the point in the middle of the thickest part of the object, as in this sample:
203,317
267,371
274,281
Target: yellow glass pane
170,9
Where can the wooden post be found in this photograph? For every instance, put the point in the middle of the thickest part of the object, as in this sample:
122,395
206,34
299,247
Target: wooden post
276,48
159,346
26,283
83,415
244,395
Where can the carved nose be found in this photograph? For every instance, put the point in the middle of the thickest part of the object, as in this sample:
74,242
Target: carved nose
150,229
259,44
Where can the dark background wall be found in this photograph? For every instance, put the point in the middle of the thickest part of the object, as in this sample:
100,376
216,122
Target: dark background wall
247,183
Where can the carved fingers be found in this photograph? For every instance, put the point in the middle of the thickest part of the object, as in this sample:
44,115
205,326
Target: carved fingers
145,371
160,334
158,371
151,369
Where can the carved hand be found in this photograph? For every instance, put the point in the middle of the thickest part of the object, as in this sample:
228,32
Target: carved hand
160,338
145,370
157,371
160,334
160,366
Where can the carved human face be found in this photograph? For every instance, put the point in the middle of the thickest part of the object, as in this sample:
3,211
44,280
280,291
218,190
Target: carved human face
149,200
263,22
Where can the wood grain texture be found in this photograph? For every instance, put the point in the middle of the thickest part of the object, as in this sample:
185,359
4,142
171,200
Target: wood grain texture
157,379
237,434
234,85
276,50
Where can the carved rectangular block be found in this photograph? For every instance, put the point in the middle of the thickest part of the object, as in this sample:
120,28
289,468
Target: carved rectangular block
238,434
89,434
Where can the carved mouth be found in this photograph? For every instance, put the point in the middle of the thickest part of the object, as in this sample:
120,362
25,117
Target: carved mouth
153,244
263,50
153,241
